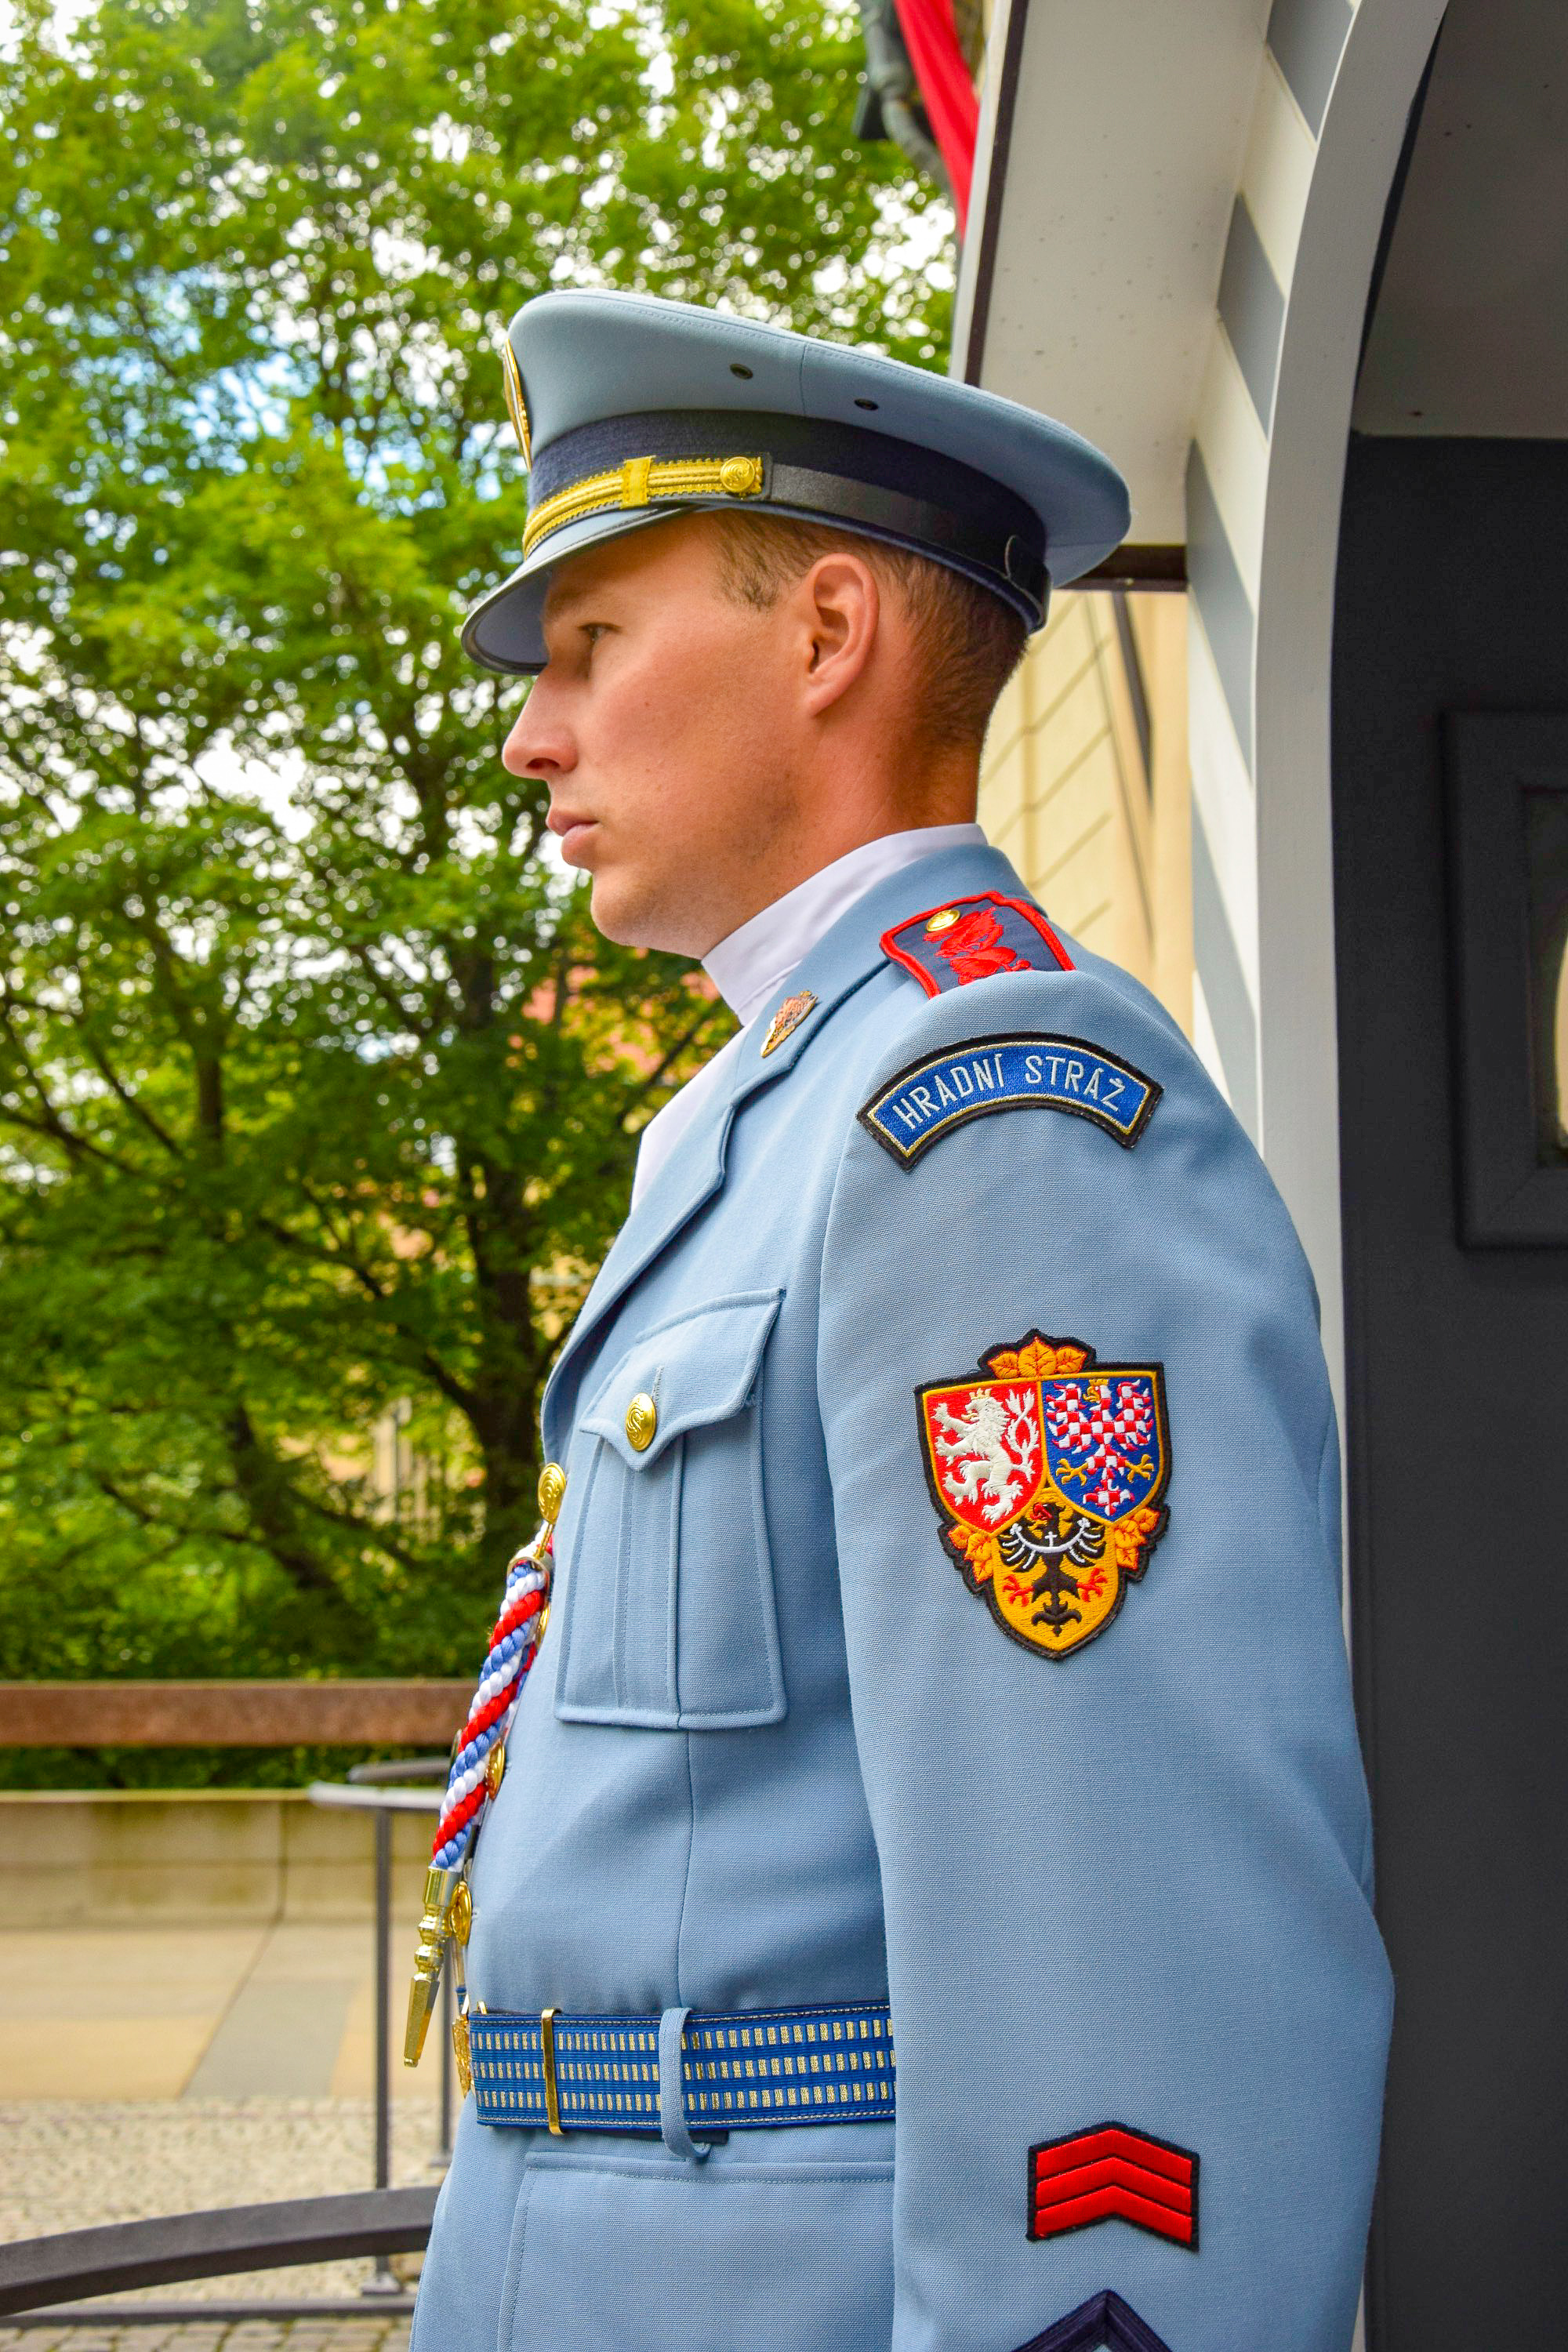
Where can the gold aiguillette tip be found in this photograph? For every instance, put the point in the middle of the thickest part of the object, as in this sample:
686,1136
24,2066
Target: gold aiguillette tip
440,1885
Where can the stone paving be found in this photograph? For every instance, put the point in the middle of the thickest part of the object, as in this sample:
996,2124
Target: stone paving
161,2070
67,2165
243,2335
280,2009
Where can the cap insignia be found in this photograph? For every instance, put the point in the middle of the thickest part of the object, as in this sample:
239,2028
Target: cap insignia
516,406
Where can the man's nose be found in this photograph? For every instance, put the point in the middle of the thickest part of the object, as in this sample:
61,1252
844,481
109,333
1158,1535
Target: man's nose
540,744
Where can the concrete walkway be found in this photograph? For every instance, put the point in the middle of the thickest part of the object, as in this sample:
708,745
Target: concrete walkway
250,2336
276,2010
162,2069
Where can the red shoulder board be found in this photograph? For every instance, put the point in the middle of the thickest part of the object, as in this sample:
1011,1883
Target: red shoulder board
970,938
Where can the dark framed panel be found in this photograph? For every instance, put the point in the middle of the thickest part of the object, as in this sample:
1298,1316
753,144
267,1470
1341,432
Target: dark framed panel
1508,786
1452,596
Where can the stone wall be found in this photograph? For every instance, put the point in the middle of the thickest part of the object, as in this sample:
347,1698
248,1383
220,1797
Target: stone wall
80,1859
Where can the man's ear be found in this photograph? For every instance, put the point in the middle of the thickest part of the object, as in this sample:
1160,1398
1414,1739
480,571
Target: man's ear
839,608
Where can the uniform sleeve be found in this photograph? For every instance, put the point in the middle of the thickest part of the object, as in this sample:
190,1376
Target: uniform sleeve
1139,2000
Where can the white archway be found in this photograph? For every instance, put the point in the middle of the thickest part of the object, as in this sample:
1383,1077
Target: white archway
1379,74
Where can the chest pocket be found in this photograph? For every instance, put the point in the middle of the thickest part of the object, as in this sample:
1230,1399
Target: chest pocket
670,1623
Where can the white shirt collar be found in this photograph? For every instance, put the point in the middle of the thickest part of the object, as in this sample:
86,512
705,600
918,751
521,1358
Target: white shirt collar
754,963
756,959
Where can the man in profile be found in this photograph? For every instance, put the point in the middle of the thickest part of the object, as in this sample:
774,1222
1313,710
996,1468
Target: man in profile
921,1903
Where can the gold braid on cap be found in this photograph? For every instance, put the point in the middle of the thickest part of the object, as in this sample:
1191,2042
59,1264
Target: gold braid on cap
638,482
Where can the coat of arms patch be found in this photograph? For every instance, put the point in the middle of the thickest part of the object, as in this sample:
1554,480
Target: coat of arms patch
1049,1475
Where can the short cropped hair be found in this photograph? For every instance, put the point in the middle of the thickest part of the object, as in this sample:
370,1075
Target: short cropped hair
967,642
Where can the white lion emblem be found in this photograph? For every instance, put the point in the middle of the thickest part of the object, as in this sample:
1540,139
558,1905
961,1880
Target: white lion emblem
993,1447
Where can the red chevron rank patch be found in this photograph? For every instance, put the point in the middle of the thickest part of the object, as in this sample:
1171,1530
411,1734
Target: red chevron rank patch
1110,2173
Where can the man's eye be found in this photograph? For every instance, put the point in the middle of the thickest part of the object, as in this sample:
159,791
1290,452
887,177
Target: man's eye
595,630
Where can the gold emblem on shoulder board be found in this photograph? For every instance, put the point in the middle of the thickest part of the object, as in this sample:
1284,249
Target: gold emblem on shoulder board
516,406
788,1018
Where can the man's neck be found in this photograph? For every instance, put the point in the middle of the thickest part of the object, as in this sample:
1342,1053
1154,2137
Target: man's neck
845,809
754,959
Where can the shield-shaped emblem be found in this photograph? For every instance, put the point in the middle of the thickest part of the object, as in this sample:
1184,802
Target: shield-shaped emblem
1049,1473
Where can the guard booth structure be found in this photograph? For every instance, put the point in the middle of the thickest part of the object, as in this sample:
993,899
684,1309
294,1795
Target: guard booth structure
1303,270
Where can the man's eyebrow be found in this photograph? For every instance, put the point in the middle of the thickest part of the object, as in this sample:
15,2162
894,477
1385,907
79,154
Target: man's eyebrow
565,598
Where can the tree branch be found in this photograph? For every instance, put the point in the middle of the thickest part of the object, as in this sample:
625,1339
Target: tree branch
138,1110
451,1388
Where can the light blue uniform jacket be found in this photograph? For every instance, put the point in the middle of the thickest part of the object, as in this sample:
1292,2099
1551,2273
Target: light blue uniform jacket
775,1750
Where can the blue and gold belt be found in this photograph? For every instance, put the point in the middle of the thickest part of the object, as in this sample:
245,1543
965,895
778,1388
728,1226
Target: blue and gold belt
689,2073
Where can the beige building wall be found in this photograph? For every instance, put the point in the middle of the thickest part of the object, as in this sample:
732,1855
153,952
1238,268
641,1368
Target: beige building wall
1085,783
109,1857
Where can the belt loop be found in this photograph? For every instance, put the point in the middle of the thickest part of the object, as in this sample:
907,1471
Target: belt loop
547,2018
672,2091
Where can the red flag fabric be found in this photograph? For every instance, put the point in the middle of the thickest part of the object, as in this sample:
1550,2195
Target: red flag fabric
931,37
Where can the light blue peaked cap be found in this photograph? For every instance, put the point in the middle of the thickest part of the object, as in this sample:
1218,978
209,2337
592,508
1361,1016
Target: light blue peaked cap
630,410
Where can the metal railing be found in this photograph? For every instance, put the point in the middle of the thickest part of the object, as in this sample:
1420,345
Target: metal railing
46,2275
41,2274
347,1713
381,1790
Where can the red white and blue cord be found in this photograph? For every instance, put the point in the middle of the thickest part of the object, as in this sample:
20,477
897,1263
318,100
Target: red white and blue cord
513,1646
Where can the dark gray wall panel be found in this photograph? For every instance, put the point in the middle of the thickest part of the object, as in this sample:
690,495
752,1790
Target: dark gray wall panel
1471,331
1452,596
1252,308
1224,605
1225,992
1306,37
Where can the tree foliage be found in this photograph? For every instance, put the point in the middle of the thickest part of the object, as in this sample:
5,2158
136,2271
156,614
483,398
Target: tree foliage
318,1094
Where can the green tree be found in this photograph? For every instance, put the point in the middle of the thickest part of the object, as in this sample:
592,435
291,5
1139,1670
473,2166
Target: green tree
318,1094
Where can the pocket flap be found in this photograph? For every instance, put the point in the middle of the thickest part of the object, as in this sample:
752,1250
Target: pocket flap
700,1366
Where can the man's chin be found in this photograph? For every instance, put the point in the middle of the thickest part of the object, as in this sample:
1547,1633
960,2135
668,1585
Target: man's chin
630,918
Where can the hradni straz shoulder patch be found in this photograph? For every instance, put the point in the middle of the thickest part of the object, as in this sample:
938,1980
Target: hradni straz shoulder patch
1048,1473
1021,1071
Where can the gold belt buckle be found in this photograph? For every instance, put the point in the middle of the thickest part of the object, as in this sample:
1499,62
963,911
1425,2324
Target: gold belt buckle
547,2018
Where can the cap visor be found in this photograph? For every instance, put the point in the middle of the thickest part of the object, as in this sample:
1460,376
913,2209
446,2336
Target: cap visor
505,630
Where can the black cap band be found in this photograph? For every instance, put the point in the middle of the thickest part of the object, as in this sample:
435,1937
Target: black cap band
918,498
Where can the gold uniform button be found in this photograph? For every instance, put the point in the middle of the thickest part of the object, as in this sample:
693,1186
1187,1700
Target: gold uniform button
495,1767
642,1420
460,1918
943,920
552,1492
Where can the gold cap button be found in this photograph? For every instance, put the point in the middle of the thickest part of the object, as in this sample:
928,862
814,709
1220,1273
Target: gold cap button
460,1918
495,1767
642,1420
552,1492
